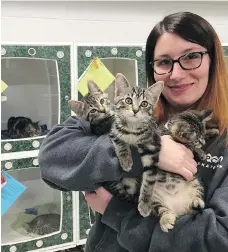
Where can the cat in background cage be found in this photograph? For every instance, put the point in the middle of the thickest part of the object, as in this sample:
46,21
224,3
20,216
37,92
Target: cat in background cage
22,127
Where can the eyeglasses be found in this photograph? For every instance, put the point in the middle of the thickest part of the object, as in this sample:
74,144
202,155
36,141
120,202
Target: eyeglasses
188,61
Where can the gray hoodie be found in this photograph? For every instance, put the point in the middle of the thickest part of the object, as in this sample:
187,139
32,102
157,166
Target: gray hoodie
71,158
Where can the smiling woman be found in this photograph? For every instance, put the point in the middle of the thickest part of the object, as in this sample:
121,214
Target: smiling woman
187,81
182,38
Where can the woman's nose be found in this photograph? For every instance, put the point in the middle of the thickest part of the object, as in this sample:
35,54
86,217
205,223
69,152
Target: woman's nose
177,73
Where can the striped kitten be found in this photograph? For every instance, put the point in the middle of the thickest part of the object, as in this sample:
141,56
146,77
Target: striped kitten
135,125
189,128
173,196
43,224
22,127
95,108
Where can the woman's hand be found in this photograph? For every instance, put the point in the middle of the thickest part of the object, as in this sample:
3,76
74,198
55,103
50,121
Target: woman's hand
98,201
177,158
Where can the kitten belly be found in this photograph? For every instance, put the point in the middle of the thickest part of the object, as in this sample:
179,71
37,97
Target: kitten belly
130,138
179,200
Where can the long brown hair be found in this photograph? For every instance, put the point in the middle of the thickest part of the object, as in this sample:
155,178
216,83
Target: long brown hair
195,29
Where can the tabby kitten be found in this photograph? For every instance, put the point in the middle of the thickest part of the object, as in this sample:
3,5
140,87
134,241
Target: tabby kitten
189,128
173,196
22,127
43,224
95,108
135,125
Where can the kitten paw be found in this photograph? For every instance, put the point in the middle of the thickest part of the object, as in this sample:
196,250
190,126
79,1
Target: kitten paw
126,163
216,132
167,221
145,209
198,203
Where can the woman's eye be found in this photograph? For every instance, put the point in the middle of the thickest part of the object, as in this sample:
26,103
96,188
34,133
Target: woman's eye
128,100
164,62
102,101
144,104
192,56
93,111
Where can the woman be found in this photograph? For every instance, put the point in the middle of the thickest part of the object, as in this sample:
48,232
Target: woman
184,51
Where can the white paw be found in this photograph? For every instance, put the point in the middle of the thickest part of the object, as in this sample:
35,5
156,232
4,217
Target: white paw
198,203
144,208
167,221
126,163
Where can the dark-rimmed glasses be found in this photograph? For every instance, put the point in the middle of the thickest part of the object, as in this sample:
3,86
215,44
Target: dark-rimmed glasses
187,61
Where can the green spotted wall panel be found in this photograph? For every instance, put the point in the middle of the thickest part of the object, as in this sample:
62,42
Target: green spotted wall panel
39,85
86,217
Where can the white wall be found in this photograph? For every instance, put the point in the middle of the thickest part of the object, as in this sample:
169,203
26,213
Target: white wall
99,22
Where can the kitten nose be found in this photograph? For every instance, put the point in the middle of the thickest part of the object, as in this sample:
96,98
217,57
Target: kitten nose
102,109
135,109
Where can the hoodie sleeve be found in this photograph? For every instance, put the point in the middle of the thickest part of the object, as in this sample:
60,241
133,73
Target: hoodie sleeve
204,232
71,158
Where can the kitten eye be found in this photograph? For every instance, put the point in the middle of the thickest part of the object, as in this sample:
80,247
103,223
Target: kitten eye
185,134
128,100
144,104
101,101
93,111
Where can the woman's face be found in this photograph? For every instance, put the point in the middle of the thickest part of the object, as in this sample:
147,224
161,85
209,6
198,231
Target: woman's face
182,87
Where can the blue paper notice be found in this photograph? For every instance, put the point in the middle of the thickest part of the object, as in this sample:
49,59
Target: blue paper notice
10,192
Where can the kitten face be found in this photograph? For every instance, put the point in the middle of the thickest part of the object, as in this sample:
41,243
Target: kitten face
189,127
135,104
34,129
94,105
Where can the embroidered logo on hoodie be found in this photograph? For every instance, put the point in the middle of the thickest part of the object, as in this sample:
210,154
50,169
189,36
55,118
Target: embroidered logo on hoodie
211,162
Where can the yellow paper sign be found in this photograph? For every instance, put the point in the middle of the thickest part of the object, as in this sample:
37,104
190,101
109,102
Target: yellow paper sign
4,86
97,72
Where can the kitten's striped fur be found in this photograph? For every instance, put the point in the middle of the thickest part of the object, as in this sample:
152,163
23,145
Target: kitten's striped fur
174,196
135,125
95,108
165,194
43,224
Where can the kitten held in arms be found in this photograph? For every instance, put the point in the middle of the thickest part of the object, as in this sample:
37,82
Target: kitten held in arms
135,125
189,128
95,108
164,194
173,196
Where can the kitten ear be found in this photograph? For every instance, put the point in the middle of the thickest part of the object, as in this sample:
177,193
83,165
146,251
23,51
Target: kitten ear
121,85
206,115
155,91
36,125
76,106
93,87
